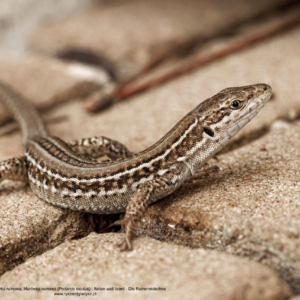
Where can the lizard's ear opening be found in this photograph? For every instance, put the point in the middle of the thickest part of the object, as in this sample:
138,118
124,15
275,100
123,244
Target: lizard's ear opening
208,131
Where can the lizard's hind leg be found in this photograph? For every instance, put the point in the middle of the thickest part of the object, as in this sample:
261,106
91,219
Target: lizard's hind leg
14,169
99,146
141,199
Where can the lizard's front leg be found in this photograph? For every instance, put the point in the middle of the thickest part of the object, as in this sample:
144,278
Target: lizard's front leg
203,173
14,169
99,146
172,177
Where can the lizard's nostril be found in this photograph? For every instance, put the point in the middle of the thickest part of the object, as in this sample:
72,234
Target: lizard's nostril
250,96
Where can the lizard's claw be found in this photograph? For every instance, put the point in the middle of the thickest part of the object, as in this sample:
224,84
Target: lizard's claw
125,245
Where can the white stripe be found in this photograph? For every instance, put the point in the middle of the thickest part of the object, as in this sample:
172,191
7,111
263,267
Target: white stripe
53,189
44,185
162,172
120,174
143,180
196,147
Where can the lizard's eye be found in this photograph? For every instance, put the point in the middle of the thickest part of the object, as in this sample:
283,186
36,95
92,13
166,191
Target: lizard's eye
236,104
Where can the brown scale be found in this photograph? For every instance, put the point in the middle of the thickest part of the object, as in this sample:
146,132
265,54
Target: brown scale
75,159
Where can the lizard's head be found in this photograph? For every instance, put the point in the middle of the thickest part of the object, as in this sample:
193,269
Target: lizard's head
232,108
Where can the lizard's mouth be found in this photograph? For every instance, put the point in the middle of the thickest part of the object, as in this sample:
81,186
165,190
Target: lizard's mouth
250,111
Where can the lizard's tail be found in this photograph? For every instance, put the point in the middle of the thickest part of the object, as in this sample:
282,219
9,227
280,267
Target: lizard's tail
22,111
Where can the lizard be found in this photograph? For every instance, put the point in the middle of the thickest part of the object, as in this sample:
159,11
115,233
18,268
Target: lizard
69,176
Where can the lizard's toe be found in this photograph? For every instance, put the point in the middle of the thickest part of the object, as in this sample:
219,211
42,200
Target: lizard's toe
125,245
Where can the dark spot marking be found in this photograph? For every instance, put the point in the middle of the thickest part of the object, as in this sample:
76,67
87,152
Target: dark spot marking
146,170
137,164
114,173
136,176
250,96
55,184
120,183
176,139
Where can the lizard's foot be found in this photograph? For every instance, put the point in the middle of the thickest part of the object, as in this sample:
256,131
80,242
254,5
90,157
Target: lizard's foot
130,224
14,169
202,174
126,243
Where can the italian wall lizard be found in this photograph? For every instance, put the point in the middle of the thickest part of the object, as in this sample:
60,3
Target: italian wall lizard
67,174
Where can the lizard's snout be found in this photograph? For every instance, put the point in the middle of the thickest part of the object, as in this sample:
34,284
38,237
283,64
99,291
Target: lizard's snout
264,89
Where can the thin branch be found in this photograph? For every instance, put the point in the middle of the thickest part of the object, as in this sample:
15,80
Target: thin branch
193,65
124,91
186,46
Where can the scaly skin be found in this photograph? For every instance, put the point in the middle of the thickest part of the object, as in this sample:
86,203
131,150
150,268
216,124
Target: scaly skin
60,174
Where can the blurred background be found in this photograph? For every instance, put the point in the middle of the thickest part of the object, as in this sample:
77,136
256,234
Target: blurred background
116,49
130,70
19,18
